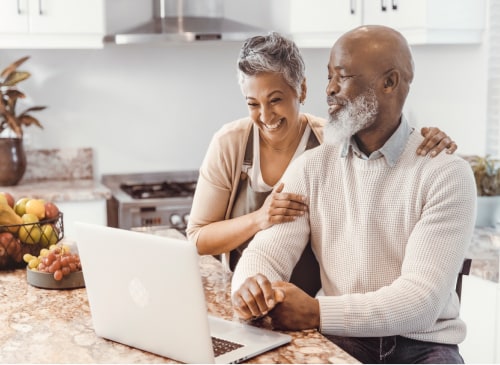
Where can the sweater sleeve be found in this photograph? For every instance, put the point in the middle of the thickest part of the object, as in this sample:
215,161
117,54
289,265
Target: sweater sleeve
218,176
419,301
275,251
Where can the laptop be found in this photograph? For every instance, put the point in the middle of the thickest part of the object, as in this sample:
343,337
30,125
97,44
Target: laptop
145,291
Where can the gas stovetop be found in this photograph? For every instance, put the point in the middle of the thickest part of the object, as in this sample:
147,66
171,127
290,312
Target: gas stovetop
163,189
152,186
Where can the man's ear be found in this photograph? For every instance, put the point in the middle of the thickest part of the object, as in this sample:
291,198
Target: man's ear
391,81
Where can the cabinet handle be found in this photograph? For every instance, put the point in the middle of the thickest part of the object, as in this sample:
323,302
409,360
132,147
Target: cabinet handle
353,6
40,10
383,5
19,10
394,4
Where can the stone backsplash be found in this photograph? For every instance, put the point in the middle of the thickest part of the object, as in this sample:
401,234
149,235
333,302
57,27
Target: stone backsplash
58,164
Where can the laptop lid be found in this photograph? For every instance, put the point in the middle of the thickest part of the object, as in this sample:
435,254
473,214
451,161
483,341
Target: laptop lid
145,291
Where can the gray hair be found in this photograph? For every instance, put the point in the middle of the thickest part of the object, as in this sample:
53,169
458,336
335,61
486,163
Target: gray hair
272,53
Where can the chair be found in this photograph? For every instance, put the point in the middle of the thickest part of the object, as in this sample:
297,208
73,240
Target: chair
465,271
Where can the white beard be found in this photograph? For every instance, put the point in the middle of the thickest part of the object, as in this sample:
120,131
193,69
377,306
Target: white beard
357,115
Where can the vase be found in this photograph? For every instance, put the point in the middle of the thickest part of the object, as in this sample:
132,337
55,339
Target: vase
12,161
488,211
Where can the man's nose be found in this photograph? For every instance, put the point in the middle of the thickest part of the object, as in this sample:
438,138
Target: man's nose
333,87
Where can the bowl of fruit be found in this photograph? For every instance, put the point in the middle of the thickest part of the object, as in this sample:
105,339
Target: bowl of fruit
56,267
27,226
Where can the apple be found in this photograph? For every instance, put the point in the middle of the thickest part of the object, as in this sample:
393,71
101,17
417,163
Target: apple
20,206
51,210
36,207
49,235
30,233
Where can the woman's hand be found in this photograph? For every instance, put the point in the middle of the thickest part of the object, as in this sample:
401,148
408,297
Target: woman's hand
280,207
435,142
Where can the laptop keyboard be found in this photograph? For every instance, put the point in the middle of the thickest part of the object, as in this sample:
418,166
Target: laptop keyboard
222,346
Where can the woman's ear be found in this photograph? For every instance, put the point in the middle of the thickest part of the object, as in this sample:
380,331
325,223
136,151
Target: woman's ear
303,91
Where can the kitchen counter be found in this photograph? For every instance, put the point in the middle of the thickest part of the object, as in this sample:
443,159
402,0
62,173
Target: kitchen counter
55,326
484,251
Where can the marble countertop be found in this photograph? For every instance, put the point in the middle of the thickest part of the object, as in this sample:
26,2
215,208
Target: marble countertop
55,326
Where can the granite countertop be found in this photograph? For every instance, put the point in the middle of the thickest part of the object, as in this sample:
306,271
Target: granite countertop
55,326
484,251
59,175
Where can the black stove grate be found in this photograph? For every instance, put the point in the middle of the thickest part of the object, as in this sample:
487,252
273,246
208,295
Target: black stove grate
164,189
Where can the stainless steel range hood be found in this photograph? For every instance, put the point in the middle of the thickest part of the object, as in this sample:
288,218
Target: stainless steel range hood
186,21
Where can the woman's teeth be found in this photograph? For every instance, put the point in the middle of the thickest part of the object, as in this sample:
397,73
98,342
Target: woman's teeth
274,126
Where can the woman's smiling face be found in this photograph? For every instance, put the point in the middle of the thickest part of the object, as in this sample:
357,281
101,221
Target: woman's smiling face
273,105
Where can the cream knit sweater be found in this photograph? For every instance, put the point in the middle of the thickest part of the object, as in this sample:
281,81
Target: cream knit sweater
390,241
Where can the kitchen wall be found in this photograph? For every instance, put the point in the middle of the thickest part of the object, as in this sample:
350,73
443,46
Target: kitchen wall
155,107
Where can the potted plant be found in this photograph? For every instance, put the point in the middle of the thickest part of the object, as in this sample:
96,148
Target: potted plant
12,156
486,171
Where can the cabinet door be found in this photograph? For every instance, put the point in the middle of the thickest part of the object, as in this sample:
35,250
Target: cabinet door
66,16
316,23
479,310
13,16
426,21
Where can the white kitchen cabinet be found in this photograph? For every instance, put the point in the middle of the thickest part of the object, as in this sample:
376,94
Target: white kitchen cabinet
480,309
318,23
51,23
430,22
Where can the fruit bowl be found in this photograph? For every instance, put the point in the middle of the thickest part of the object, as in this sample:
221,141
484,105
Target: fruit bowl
19,239
46,280
56,267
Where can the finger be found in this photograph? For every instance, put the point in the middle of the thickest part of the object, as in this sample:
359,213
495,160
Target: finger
452,147
258,295
279,295
240,307
279,188
267,290
433,142
439,147
297,198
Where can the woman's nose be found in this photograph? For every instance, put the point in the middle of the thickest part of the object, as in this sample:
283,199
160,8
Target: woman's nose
266,114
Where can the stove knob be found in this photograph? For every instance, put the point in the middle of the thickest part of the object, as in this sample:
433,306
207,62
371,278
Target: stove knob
175,220
185,217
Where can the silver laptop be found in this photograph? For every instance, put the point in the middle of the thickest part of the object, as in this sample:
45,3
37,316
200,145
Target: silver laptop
145,291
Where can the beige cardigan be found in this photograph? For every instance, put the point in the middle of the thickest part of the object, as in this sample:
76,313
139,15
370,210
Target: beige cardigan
221,170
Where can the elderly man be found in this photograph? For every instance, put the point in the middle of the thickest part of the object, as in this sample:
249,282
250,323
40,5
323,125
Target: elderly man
389,228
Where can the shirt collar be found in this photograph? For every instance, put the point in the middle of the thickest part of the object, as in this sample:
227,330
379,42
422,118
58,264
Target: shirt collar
391,150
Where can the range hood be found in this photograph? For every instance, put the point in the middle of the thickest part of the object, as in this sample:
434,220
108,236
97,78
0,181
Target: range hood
186,21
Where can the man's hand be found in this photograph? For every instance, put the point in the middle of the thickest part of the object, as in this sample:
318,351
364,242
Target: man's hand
297,310
255,298
289,307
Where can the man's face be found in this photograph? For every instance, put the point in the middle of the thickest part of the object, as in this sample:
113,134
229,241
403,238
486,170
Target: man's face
354,115
351,96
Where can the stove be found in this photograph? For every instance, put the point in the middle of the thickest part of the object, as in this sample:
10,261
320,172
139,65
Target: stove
150,200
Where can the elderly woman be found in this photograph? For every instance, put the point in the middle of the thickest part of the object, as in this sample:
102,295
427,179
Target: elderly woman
238,191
